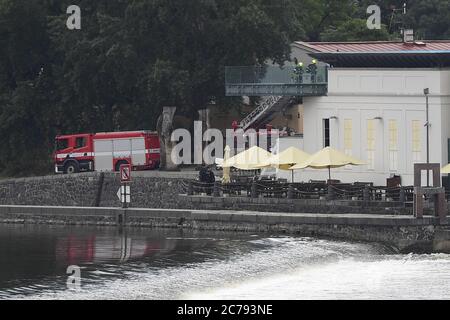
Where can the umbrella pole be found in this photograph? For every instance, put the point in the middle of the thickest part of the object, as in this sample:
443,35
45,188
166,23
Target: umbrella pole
329,172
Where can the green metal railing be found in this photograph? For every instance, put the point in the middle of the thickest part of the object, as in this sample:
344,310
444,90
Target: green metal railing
274,75
273,80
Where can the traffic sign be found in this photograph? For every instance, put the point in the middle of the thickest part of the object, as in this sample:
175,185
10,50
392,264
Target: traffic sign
124,194
125,173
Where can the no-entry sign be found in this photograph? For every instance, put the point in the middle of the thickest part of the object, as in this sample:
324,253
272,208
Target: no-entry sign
125,173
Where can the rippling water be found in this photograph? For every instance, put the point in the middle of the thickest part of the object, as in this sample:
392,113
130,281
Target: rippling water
175,264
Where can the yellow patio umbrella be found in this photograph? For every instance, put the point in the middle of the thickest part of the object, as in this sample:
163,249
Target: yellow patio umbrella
286,159
326,159
446,169
250,159
226,171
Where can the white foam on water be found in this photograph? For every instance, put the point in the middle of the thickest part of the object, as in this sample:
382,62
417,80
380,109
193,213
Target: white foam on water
277,268
423,277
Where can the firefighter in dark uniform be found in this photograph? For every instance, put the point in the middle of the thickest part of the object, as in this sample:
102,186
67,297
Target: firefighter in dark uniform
298,71
312,69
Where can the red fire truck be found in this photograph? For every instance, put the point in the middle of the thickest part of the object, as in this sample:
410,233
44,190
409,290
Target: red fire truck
106,151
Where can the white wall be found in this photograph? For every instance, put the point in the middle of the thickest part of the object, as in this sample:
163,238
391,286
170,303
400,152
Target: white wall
287,142
362,94
445,109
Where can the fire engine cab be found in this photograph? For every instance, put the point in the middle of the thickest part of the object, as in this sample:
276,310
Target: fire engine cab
106,151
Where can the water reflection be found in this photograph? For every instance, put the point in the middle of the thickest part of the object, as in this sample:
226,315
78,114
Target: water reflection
120,248
38,256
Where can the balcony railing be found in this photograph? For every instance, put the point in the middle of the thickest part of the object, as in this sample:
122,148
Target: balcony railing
272,80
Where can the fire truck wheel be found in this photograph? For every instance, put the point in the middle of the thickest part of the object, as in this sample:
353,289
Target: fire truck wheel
71,167
119,163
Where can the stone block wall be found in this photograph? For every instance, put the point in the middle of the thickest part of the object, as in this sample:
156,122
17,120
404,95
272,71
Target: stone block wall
147,192
154,189
57,190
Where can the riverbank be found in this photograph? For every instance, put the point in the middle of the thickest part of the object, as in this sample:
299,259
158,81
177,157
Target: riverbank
405,233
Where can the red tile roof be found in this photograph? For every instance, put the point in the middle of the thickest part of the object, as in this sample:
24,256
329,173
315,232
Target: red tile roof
377,46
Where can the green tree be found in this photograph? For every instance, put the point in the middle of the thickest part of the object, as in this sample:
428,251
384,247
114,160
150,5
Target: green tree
129,60
26,87
317,16
429,18
355,30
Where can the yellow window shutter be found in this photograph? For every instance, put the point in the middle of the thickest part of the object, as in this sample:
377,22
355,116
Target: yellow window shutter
416,136
348,139
371,134
393,135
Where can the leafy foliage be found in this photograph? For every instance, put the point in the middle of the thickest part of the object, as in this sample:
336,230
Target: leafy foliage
354,30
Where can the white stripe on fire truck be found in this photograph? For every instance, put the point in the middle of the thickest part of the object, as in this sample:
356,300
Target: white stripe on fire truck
99,154
74,155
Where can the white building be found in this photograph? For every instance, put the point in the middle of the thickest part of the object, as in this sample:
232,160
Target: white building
375,109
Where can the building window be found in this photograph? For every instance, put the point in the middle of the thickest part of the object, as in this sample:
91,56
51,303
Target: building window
62,144
326,133
371,144
348,138
80,142
393,145
416,141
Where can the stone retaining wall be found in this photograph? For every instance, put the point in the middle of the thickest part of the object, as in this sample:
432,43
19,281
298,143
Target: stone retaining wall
94,189
147,192
155,189
56,190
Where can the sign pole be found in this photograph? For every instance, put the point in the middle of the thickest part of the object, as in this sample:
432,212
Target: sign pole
124,196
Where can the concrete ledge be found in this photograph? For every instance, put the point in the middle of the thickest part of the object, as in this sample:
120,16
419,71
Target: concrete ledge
220,215
404,232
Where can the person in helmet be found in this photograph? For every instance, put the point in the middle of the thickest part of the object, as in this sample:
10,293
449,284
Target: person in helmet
312,69
299,72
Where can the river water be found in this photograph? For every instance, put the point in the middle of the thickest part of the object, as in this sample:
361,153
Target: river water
175,264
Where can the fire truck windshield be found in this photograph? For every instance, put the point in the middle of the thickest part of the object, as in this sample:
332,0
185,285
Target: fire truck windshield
62,144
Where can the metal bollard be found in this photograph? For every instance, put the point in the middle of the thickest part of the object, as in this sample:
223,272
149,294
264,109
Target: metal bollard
254,190
121,218
366,194
290,193
331,193
402,197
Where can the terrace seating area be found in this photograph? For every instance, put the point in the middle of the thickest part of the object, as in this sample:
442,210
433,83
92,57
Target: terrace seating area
319,190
